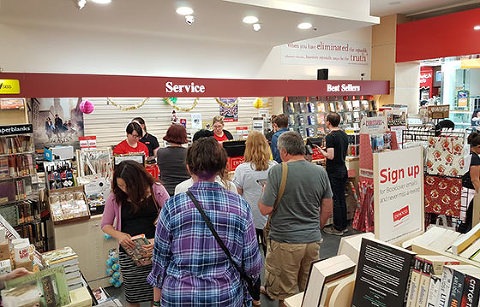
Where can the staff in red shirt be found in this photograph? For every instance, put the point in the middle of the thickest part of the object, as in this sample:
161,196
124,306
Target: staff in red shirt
131,144
218,132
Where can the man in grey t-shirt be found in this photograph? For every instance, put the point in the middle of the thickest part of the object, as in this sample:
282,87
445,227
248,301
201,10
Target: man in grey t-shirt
302,211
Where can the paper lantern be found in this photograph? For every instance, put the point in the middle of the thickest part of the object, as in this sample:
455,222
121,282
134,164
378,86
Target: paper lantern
86,107
258,103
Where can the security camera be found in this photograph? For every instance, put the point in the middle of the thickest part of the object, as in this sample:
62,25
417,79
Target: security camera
189,19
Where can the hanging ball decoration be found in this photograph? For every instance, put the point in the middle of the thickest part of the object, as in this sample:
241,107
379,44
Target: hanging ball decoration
86,107
258,103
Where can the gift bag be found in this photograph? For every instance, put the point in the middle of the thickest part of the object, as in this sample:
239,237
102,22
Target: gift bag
443,195
445,156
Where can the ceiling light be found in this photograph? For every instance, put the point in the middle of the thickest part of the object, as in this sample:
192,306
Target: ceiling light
189,19
185,10
250,19
304,26
102,1
256,27
80,4
476,28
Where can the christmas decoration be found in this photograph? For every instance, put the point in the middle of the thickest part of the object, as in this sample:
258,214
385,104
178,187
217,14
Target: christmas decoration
86,107
130,108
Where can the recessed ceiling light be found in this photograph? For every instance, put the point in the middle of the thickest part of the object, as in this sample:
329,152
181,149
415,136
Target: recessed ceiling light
102,1
476,28
257,27
185,10
250,19
394,3
304,26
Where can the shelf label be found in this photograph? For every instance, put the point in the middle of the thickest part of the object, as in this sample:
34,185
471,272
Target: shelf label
16,129
9,86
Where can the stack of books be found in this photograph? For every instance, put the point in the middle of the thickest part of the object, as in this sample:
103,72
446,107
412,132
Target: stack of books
68,259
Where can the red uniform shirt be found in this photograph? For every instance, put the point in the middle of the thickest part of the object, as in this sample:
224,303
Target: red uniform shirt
123,148
221,138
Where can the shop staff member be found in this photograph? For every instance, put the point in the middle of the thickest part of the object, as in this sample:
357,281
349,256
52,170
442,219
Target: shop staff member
149,140
304,208
279,124
335,153
131,144
218,132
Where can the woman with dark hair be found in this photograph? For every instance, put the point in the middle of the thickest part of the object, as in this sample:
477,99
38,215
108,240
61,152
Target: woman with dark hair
131,144
130,210
471,179
171,159
189,266
476,117
149,140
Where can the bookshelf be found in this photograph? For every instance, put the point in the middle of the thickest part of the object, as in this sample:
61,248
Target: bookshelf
19,201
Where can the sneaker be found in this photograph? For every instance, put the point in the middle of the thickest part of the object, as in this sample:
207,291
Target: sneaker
332,231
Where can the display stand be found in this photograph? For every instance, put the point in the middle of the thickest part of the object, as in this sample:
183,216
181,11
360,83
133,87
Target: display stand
88,241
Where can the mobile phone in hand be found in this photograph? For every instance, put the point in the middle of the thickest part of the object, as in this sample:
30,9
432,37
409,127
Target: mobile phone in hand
262,182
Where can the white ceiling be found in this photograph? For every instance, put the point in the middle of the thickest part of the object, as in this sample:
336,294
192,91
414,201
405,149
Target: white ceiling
389,7
216,20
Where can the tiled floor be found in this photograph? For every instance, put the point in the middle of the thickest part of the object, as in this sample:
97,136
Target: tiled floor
328,249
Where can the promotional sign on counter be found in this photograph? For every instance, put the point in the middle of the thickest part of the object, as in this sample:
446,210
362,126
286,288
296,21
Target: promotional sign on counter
399,201
374,125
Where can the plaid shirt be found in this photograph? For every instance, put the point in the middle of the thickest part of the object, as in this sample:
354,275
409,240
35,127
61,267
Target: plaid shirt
188,264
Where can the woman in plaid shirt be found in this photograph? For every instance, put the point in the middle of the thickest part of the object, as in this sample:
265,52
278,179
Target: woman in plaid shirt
188,264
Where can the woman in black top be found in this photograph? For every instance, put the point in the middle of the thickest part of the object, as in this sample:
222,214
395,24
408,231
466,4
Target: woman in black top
130,210
171,160
471,179
149,140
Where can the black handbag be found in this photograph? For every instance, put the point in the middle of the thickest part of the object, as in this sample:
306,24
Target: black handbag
253,287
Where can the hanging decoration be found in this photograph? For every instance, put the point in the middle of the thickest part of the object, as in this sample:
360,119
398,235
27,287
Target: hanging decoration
171,102
226,105
86,107
172,99
258,103
130,108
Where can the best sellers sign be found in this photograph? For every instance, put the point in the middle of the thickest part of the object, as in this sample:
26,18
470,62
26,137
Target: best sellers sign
399,208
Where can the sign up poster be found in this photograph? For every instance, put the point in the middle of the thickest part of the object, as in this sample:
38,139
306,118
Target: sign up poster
398,182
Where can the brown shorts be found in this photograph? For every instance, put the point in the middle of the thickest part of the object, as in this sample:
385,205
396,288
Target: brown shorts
287,266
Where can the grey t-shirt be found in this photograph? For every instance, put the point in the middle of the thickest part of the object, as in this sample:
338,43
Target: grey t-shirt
171,162
246,178
297,218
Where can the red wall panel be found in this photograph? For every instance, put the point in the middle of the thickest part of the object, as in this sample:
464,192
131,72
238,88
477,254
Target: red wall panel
437,37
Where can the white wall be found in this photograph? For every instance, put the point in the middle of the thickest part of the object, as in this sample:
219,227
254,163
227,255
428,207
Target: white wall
40,48
272,68
407,85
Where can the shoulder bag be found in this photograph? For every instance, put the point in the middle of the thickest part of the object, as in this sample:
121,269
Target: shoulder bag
253,287
283,183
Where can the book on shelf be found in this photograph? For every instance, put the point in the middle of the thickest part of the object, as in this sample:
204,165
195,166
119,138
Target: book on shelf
471,251
330,287
351,245
49,283
382,274
471,290
465,241
435,238
433,290
451,280
323,272
63,256
413,287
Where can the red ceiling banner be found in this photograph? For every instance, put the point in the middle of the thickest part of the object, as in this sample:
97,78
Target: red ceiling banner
438,37
84,85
